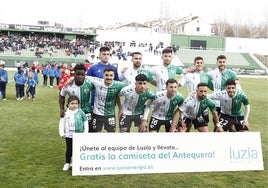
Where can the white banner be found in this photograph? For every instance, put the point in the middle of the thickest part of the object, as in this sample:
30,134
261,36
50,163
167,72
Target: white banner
142,153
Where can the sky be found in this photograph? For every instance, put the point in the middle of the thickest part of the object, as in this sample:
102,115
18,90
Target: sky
89,13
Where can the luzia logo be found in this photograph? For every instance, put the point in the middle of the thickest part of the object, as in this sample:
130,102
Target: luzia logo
243,153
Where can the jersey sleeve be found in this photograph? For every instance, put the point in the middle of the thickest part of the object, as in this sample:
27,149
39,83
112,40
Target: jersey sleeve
126,90
184,105
90,71
122,77
179,70
245,99
234,76
152,94
182,81
180,99
147,109
216,95
211,105
121,84
149,76
210,84
64,91
94,80
153,70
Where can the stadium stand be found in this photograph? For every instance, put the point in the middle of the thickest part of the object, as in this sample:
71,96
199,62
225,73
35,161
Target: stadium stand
56,51
210,57
242,63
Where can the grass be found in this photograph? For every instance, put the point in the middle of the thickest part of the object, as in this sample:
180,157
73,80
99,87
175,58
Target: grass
32,153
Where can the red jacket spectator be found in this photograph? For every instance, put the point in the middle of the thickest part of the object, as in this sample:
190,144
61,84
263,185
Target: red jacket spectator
65,75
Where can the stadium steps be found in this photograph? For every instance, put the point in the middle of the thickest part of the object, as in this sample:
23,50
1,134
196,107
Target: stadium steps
234,60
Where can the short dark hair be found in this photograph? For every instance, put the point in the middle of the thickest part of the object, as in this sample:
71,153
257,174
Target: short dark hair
198,58
104,49
166,51
230,82
136,53
171,81
201,84
79,66
141,77
221,57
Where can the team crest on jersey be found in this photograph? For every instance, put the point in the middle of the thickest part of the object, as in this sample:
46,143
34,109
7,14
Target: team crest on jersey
225,77
204,105
86,90
174,102
114,90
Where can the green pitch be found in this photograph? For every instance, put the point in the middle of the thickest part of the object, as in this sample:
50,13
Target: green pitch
32,153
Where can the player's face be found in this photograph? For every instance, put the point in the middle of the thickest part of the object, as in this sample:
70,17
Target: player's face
73,105
221,63
141,86
167,58
108,77
201,92
137,60
105,56
79,76
199,65
171,89
231,89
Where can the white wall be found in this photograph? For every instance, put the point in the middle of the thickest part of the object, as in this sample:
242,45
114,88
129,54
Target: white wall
258,46
190,28
139,37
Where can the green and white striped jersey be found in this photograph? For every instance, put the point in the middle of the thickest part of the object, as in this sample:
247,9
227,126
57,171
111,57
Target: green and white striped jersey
134,103
192,108
83,92
193,79
219,80
162,74
163,107
105,96
231,105
130,74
